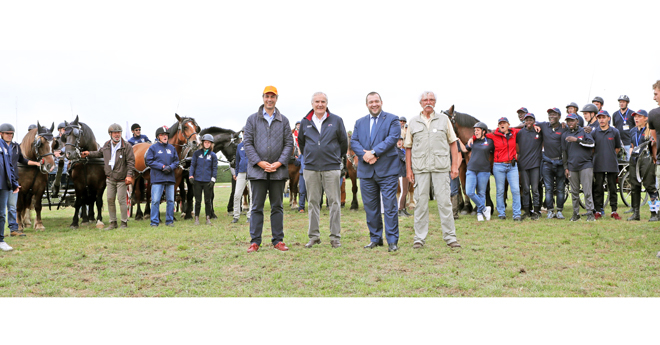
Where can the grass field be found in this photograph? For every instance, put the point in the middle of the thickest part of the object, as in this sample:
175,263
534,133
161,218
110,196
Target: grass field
498,258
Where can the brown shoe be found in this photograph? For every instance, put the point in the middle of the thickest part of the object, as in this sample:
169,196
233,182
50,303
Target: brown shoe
454,245
281,246
312,242
17,233
111,226
123,225
253,248
301,211
417,245
335,243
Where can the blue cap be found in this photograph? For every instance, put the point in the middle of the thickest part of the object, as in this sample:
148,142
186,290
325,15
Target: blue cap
572,116
641,112
523,109
502,119
556,110
530,115
603,112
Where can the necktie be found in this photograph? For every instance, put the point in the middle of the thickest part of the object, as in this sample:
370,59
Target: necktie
371,134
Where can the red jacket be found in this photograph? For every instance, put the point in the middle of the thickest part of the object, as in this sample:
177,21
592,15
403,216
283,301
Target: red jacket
505,149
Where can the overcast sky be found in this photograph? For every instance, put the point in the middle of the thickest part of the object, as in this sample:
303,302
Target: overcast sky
133,61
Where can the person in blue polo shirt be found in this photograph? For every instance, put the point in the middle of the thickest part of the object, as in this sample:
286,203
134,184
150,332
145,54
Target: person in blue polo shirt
162,160
138,137
608,143
623,121
529,142
640,135
478,170
203,171
552,166
240,176
576,146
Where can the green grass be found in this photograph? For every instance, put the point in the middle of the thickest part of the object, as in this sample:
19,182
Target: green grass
498,258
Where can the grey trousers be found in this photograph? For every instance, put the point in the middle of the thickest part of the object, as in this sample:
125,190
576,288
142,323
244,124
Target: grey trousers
241,182
316,182
586,178
442,196
114,188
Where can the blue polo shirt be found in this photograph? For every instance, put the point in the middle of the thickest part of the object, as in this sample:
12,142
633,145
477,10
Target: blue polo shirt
481,151
529,145
604,153
552,139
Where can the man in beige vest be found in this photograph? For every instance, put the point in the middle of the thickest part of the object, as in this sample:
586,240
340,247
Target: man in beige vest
429,142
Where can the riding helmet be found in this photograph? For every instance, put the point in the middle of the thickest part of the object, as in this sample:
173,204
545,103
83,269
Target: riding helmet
590,108
598,99
481,125
7,127
624,98
207,137
31,127
61,125
114,128
573,104
402,119
161,130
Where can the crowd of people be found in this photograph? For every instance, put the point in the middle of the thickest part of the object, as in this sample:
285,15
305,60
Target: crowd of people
393,153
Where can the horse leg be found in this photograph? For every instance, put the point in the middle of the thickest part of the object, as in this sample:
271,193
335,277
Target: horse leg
76,206
354,189
38,225
99,208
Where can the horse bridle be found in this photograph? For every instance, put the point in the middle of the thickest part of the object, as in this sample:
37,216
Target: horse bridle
76,134
187,147
35,146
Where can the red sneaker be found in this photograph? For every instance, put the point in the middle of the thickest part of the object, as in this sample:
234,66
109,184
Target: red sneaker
253,248
615,216
598,215
281,246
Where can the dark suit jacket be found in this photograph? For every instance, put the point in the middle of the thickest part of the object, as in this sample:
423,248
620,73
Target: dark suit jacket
386,134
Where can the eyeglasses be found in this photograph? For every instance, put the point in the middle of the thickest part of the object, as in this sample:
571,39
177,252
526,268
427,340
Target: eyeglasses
137,130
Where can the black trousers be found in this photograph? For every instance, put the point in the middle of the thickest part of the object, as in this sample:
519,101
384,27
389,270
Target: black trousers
599,191
529,178
230,204
275,191
207,187
648,180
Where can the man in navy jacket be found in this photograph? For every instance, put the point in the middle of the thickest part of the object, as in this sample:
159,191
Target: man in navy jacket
323,142
374,142
162,158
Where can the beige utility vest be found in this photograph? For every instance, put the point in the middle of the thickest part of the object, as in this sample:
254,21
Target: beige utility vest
430,147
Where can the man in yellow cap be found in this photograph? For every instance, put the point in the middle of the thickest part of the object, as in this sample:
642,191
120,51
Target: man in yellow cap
268,145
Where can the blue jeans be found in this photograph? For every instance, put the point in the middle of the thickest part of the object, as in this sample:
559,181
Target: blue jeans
502,172
302,189
11,205
553,174
4,195
454,185
475,185
626,151
156,194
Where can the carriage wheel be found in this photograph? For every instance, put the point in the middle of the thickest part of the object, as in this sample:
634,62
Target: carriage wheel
625,190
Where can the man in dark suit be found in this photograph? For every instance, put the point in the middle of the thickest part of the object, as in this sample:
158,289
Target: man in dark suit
374,142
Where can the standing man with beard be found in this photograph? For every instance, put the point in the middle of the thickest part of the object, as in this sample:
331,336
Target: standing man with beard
430,142
374,142
268,146
552,166
576,146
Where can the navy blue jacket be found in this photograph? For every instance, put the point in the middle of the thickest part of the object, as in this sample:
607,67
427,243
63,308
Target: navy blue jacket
204,167
323,152
8,179
577,155
529,149
604,152
241,159
481,151
141,139
386,134
17,157
160,154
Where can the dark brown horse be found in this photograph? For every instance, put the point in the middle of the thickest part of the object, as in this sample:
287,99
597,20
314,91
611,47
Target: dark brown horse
183,135
351,172
141,182
464,128
32,179
88,175
225,141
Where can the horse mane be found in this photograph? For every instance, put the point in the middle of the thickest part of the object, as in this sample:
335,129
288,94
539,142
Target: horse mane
464,120
26,144
88,142
217,130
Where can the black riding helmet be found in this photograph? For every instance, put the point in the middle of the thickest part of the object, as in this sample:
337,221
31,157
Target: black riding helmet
8,127
161,130
598,99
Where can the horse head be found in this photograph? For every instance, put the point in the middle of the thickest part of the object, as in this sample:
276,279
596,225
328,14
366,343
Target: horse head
187,133
72,137
41,147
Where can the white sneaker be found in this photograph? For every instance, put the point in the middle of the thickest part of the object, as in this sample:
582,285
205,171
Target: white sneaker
5,247
480,217
487,212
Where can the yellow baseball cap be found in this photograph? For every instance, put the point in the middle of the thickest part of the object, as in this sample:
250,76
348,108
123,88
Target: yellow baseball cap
271,89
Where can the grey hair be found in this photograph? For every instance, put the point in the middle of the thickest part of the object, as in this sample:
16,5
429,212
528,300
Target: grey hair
427,93
318,94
